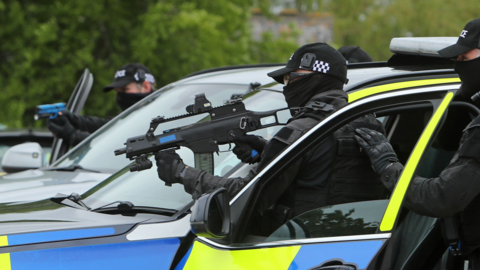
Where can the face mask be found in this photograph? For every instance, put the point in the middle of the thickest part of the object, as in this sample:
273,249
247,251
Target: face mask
298,92
469,73
125,100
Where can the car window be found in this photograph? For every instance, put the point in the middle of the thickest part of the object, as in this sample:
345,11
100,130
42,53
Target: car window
447,141
343,218
97,152
336,220
145,189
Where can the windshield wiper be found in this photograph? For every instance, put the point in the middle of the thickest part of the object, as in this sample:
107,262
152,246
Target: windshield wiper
126,208
74,197
122,205
70,168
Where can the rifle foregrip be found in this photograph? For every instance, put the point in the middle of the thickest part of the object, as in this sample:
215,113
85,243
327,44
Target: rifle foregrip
140,166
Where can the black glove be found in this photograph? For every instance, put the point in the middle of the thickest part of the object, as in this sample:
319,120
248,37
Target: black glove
377,148
72,118
61,127
169,167
249,148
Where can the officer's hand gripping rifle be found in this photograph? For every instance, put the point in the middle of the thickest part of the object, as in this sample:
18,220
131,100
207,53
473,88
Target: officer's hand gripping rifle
226,122
48,110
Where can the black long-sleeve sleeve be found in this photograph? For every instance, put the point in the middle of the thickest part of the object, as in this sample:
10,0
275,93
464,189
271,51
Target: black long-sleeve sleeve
443,196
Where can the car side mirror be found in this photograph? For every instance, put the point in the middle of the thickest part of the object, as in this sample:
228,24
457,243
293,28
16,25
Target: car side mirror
22,157
211,215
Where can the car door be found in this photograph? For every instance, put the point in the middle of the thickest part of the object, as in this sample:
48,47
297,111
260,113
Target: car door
352,234
75,105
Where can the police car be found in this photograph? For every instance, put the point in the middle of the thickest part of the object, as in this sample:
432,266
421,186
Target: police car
133,221
92,160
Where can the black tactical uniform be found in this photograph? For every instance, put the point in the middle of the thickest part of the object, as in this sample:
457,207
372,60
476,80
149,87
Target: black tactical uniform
334,171
457,189
75,128
81,127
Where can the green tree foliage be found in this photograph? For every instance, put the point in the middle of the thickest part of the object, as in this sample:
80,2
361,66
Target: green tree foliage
46,44
271,49
371,24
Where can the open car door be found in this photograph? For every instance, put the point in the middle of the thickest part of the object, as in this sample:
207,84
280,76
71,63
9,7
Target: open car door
75,105
343,236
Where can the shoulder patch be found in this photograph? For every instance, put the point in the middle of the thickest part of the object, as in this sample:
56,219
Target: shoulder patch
284,133
287,135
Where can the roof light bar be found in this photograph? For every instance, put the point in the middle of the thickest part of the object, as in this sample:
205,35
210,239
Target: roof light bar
426,46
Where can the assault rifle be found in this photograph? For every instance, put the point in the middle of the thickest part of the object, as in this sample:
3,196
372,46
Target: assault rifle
226,123
48,110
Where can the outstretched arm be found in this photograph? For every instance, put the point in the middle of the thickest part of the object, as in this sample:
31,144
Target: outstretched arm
440,197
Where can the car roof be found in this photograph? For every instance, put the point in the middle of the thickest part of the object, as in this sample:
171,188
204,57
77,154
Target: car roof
233,75
365,75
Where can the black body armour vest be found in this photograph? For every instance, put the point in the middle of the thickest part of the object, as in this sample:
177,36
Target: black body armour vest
351,177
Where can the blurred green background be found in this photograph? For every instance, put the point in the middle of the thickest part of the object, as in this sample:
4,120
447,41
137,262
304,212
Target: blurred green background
45,45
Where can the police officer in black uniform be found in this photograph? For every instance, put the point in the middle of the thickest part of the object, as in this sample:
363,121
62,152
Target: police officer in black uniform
132,82
456,192
334,171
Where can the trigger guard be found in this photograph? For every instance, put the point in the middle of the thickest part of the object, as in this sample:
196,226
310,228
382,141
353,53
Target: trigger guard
53,116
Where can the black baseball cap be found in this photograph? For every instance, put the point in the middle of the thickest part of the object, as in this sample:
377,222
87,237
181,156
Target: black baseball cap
133,72
355,54
469,39
319,57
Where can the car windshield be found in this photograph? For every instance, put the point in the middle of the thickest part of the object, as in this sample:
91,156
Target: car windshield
145,189
97,152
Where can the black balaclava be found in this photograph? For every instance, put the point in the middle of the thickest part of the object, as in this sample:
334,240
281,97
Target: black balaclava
298,92
469,73
125,100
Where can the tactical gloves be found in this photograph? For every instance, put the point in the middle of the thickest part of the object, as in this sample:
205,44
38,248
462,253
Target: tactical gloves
72,118
84,123
61,127
169,167
377,147
248,148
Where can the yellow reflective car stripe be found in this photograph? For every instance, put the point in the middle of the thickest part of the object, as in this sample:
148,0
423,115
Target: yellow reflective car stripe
205,257
394,86
399,193
4,257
